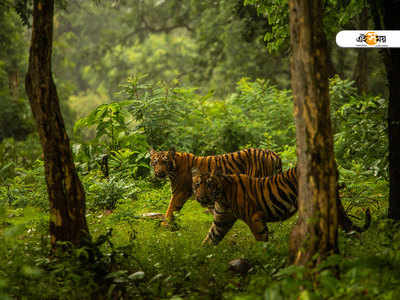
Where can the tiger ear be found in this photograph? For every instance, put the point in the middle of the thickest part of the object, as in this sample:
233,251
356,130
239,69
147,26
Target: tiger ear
195,172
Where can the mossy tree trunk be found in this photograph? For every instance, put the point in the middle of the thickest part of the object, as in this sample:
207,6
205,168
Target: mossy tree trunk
316,229
66,194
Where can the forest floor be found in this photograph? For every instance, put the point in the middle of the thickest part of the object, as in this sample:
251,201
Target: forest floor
144,260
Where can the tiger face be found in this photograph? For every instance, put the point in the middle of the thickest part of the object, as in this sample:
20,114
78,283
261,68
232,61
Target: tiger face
206,188
162,162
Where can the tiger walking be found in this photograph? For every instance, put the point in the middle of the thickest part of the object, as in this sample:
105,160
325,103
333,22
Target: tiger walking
178,165
256,201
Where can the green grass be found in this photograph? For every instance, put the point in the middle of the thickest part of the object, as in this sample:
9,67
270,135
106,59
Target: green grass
176,266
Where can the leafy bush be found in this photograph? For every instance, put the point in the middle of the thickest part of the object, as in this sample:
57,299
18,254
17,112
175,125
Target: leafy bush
110,122
360,128
257,115
18,154
268,112
106,193
201,124
125,149
27,188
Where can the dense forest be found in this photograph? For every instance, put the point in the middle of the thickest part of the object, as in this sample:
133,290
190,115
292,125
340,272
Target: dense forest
128,128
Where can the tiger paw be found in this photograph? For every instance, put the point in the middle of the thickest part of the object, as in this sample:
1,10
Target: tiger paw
166,223
171,225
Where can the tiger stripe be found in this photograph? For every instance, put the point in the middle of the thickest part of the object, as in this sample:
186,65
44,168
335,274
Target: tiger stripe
256,201
177,166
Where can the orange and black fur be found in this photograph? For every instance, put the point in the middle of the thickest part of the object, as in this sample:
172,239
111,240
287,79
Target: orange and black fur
178,165
256,201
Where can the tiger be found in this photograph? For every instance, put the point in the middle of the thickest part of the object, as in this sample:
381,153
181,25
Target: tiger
256,201
178,165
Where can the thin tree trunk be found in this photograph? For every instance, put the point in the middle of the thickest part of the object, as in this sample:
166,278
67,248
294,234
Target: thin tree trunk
66,194
341,54
316,230
331,70
360,74
392,64
13,82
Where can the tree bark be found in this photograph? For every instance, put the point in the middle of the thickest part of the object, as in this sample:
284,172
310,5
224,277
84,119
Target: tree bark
392,63
66,194
316,230
331,70
360,74
13,82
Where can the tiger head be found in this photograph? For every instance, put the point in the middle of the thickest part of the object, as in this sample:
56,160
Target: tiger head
206,188
163,162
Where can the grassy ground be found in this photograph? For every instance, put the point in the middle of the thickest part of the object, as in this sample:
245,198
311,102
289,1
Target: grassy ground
144,260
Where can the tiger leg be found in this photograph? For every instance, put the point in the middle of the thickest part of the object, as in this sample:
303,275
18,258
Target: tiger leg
169,215
175,204
222,223
258,227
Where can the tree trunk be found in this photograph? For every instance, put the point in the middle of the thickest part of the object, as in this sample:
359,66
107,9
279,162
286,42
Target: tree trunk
13,82
66,194
360,74
392,63
341,54
316,230
331,70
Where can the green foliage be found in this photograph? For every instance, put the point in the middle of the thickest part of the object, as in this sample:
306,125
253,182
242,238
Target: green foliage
27,188
268,113
143,260
187,48
110,121
105,194
277,12
337,15
87,156
359,122
258,114
18,154
134,163
15,117
125,148
362,188
358,271
230,45
206,43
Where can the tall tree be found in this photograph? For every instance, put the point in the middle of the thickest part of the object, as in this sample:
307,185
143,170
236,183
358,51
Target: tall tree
66,194
316,230
360,74
391,21
389,12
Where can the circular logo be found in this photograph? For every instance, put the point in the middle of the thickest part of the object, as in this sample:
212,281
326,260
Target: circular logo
371,38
